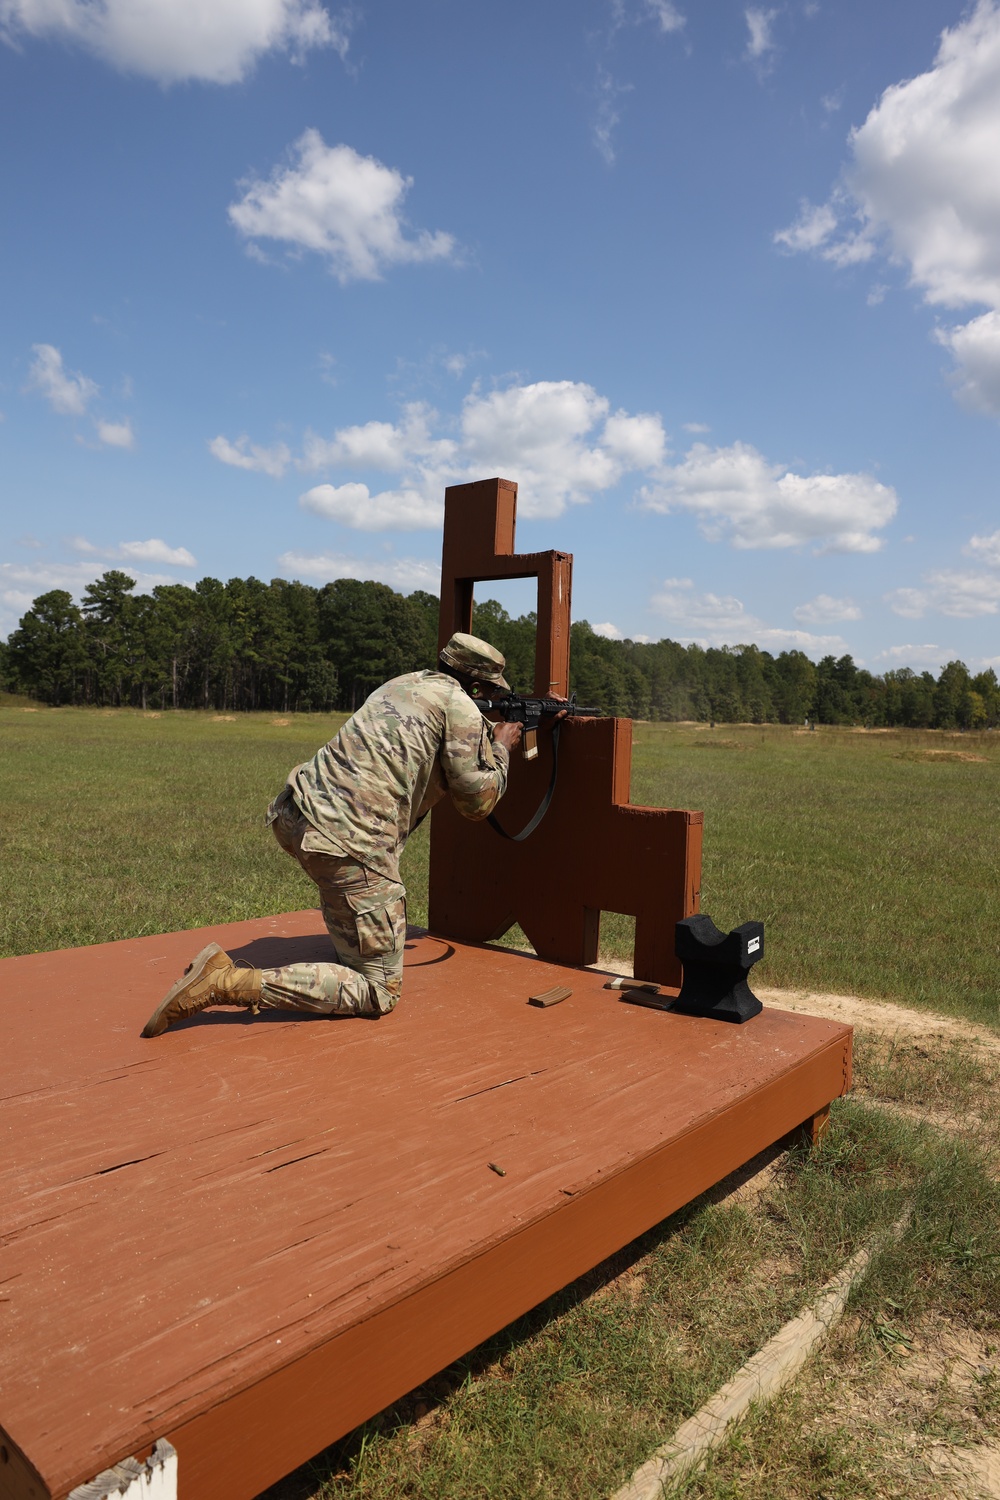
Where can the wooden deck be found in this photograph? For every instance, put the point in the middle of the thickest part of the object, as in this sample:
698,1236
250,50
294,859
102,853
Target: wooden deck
248,1236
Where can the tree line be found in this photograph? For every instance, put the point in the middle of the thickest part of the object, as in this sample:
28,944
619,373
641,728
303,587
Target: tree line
290,647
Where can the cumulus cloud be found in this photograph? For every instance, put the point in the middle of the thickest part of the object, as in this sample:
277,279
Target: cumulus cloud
152,551
723,620
388,510
66,391
961,596
214,41
116,434
560,438
246,455
976,349
609,631
825,610
735,492
345,207
922,185
70,393
986,548
403,573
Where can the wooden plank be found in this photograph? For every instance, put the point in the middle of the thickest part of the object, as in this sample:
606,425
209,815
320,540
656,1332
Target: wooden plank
247,1236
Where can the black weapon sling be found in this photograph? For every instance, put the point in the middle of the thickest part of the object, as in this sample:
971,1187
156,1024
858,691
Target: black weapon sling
543,806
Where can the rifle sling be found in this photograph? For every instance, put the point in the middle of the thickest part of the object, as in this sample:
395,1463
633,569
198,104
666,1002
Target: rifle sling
543,806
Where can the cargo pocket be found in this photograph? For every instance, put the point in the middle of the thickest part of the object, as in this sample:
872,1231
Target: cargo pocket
380,929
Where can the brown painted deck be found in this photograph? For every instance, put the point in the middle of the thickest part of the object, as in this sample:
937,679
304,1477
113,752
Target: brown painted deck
249,1236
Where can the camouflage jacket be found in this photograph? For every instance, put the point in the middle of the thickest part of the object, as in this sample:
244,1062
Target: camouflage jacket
416,739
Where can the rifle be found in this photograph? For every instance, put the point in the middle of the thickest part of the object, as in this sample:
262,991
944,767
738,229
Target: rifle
529,713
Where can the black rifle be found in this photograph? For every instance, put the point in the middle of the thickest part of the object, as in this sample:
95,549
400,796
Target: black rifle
529,713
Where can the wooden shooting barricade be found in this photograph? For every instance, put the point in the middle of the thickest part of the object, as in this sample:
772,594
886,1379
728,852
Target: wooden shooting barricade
246,1237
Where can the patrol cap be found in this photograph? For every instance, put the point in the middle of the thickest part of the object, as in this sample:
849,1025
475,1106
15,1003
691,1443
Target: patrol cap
475,658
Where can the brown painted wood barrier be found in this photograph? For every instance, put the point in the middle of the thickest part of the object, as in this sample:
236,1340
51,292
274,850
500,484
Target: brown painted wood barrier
248,1236
593,851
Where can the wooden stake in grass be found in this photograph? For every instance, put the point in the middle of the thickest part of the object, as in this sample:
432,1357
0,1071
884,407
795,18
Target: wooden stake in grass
760,1379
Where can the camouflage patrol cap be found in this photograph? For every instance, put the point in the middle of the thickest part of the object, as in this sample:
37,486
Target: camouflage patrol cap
475,658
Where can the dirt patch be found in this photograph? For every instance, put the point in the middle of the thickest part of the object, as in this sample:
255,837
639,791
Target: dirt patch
281,723
932,1377
152,716
223,718
874,1015
975,1471
880,1015
941,756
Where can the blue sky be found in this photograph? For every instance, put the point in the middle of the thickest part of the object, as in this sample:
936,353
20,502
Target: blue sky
717,284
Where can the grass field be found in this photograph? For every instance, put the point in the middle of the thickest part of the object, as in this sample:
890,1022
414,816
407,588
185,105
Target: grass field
871,857
872,860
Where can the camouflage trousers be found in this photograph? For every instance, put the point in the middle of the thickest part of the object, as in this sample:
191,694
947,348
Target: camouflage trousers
365,915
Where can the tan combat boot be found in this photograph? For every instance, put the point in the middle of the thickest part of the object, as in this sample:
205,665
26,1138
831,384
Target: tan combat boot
210,979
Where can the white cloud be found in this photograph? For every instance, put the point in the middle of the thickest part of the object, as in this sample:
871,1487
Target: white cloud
608,115
986,548
66,391
960,596
214,41
152,551
558,438
15,600
116,434
816,228
156,551
915,656
609,631
669,18
73,577
723,620
759,23
825,610
976,349
922,184
697,427
736,492
70,393
343,206
246,455
389,510
388,447
404,573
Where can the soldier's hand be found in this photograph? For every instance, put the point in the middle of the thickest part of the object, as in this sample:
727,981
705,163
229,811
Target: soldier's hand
508,735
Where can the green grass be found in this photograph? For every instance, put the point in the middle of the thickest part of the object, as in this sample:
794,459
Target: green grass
871,858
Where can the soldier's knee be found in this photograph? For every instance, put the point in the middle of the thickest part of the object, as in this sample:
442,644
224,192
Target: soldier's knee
387,994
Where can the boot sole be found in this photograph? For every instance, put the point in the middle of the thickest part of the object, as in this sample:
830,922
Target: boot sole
158,1023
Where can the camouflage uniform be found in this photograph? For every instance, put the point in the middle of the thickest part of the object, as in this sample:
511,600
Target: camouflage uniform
346,814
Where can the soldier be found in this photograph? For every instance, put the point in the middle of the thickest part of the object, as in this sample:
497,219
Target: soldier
345,816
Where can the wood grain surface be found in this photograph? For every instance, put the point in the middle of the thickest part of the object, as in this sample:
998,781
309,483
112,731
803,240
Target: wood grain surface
249,1235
